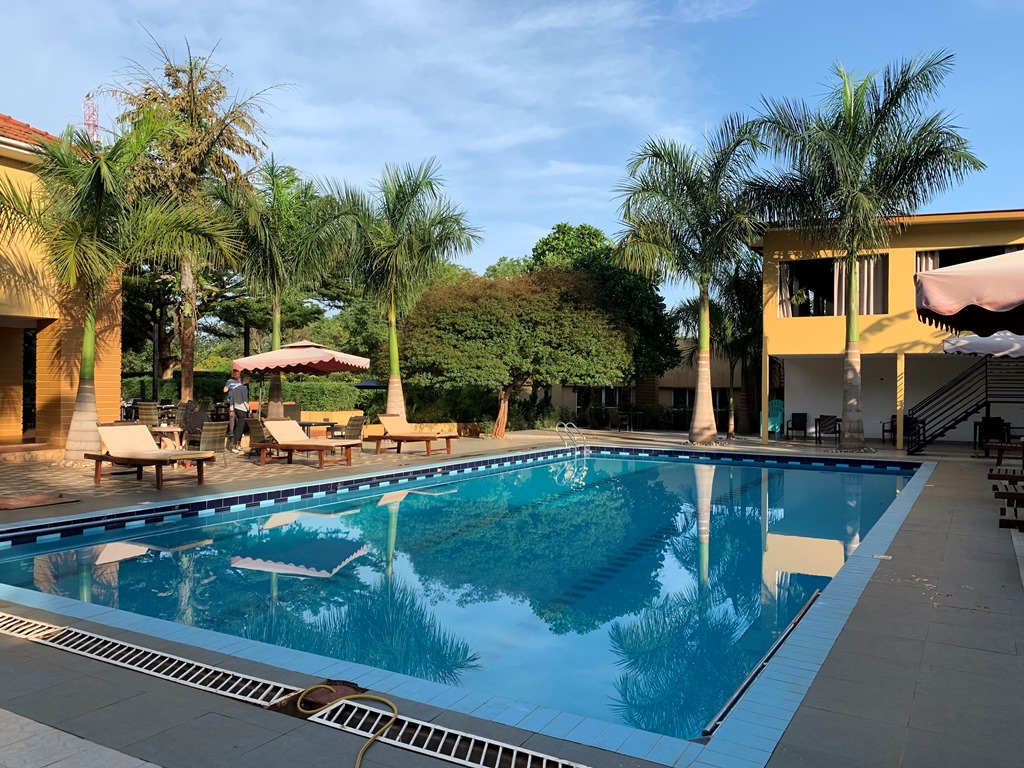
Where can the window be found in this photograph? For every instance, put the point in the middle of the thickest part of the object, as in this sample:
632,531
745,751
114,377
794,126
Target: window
607,397
817,287
928,260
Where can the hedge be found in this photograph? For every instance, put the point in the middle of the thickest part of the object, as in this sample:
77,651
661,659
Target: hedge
313,394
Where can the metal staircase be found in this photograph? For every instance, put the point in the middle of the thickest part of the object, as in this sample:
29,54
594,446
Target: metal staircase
987,382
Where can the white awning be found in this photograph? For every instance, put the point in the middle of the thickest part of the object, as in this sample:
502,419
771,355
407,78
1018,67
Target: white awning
1001,344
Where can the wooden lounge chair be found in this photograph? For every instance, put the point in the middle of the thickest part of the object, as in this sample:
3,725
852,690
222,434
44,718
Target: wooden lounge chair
132,445
289,437
1009,449
1006,474
399,431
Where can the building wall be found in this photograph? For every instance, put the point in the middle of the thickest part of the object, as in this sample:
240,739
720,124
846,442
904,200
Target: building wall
899,330
11,387
30,298
813,347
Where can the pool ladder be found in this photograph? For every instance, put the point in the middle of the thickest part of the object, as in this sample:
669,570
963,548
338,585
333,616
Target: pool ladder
572,437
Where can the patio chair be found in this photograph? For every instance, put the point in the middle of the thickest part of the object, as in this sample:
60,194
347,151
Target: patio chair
149,413
797,423
288,437
257,436
398,430
826,425
776,417
993,430
211,437
353,430
132,445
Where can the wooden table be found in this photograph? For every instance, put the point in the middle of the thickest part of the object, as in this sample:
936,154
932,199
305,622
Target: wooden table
163,432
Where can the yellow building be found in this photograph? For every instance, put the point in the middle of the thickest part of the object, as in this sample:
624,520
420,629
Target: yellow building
41,332
902,358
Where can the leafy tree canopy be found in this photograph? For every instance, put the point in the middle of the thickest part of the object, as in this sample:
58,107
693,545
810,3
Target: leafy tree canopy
501,334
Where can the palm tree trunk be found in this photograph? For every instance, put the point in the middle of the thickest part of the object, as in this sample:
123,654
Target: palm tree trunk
852,436
704,476
702,425
396,400
501,422
83,437
275,399
188,329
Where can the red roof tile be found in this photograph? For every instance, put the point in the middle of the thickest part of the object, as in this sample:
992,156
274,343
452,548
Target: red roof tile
19,131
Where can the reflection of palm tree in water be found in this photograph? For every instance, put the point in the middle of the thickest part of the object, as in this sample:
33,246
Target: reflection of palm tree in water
681,658
853,491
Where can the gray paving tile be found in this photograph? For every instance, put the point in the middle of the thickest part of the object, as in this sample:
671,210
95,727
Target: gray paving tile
879,673
890,704
998,640
139,718
927,749
42,749
828,734
948,715
971,660
209,739
70,699
970,689
888,647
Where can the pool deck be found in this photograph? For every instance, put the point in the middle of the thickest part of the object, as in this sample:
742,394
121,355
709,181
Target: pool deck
927,671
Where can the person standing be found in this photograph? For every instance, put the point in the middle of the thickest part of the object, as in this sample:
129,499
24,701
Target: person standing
231,383
238,401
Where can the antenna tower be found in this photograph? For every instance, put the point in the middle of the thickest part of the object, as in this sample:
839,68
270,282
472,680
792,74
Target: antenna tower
92,118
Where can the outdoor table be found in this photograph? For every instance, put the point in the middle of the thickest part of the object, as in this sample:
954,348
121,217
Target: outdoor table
164,432
308,426
631,420
219,412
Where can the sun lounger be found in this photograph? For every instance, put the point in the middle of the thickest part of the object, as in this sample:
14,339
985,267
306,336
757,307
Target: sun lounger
289,437
1010,449
398,430
132,445
1006,474
1011,513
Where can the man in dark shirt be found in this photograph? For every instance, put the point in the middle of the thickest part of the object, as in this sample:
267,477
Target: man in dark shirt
238,400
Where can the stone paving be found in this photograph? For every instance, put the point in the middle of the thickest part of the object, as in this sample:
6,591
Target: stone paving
927,672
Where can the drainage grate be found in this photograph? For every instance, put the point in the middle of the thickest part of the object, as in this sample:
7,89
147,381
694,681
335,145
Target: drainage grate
434,740
26,629
254,690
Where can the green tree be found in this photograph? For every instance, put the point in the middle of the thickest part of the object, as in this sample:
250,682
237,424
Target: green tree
543,328
686,217
870,155
395,240
83,218
214,131
505,268
631,299
275,215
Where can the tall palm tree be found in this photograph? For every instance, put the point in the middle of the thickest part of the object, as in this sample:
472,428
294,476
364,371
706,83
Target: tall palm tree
87,224
395,240
274,213
854,168
686,217
736,319
214,131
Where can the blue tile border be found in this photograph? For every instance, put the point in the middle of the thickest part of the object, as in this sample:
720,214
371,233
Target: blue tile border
746,737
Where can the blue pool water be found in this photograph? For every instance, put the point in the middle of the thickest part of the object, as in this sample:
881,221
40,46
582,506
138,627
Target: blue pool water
633,591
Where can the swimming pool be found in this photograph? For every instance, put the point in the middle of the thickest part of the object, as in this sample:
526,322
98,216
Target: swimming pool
626,589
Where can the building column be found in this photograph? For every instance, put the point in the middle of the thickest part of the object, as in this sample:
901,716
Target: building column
901,372
12,388
765,379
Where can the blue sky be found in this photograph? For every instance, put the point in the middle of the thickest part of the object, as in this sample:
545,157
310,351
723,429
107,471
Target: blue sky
532,108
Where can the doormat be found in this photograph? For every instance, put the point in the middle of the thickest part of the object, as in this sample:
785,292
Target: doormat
33,500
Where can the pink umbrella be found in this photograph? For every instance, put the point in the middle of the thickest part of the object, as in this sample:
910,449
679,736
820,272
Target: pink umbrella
302,357
983,296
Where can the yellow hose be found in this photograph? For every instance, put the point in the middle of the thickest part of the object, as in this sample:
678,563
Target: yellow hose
377,734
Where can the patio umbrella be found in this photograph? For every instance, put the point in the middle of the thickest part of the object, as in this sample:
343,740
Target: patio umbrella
320,558
1000,344
302,357
983,296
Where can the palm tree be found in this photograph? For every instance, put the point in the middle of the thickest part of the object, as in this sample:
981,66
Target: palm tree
395,240
853,169
687,218
214,131
83,218
736,318
273,213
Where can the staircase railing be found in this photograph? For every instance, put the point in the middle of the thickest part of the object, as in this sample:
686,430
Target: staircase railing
988,381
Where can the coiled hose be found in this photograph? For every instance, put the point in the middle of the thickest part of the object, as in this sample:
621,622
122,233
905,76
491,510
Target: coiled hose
370,697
